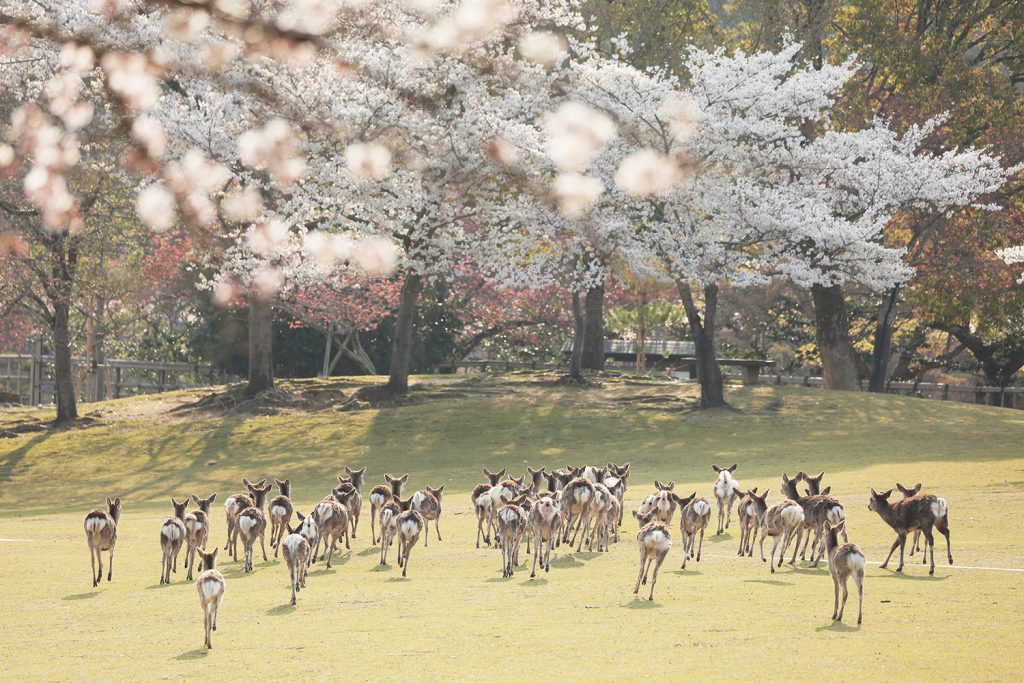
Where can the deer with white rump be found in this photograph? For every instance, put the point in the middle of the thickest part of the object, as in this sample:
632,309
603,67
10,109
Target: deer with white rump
694,516
280,511
923,511
381,495
727,490
296,555
101,535
654,540
211,588
172,535
844,561
197,530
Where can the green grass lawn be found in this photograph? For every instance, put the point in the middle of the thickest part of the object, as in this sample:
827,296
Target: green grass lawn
455,617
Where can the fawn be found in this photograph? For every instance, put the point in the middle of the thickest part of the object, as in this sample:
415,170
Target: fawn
211,588
844,561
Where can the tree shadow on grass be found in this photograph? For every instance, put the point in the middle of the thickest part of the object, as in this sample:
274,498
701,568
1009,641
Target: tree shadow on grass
838,626
286,608
198,653
81,596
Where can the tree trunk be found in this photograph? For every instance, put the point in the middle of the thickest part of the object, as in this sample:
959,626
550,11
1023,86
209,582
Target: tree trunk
882,351
832,330
578,320
261,346
709,374
64,383
401,349
593,331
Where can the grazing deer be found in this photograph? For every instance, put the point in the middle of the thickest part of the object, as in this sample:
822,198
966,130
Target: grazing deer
233,507
410,525
211,588
512,522
388,527
252,523
296,556
309,531
172,535
280,511
694,515
844,561
427,502
197,530
923,511
726,491
818,511
545,523
782,521
749,522
910,493
654,540
576,506
331,519
482,503
381,495
356,478
101,534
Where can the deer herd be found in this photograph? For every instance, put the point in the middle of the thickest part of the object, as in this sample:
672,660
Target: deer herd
577,506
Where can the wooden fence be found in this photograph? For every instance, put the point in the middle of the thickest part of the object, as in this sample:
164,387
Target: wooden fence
31,377
1011,397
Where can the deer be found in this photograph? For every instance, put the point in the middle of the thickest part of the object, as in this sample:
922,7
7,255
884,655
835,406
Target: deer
782,521
309,531
172,535
813,489
601,507
536,477
427,502
348,495
482,504
726,490
844,561
749,523
296,556
101,535
818,511
280,510
381,495
545,524
331,519
923,511
512,521
654,540
694,516
660,502
576,500
211,588
356,478
410,525
615,478
252,523
197,530
388,527
233,506
609,521
910,493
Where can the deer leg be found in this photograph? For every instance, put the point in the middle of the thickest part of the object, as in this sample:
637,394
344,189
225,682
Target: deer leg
719,517
347,546
728,519
846,594
643,560
405,559
263,547
835,602
799,532
903,542
929,544
895,544
774,546
426,532
859,579
437,527
943,527
657,566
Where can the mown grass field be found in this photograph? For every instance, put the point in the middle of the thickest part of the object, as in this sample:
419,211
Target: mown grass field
455,618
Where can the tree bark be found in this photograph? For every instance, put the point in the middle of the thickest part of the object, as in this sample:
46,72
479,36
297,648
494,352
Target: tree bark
709,373
261,346
64,383
882,352
832,330
593,332
578,329
401,349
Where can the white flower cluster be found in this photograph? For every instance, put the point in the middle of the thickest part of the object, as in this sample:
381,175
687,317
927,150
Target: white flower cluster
273,148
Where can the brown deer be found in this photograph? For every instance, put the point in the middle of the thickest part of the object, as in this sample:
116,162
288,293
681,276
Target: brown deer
356,478
211,588
482,503
844,561
296,556
536,477
101,535
655,540
782,521
545,523
427,502
172,535
575,504
726,492
818,511
197,530
252,523
331,519
694,515
813,489
381,495
309,531
410,525
512,523
233,506
349,496
910,493
923,511
280,511
749,523
388,528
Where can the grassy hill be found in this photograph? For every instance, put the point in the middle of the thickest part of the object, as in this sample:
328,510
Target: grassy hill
455,617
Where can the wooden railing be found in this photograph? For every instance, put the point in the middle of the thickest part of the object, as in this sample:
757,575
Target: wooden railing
1011,397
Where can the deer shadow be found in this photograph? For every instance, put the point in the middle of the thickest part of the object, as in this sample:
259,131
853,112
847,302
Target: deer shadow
381,567
770,582
399,579
838,626
536,581
686,572
198,653
369,551
81,596
286,608
890,574
642,603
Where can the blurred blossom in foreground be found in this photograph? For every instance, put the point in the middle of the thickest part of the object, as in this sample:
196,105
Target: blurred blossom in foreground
576,193
155,207
243,206
273,148
646,173
544,48
682,115
575,133
368,160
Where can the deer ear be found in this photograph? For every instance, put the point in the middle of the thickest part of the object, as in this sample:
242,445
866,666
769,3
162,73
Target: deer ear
785,478
246,483
214,553
279,482
109,502
825,491
362,471
733,468
716,468
405,478
753,490
300,515
195,499
348,470
819,477
117,502
887,493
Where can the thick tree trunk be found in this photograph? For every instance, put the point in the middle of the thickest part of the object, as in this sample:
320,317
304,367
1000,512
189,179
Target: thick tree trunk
709,373
261,346
832,330
64,383
593,334
401,349
882,352
578,330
